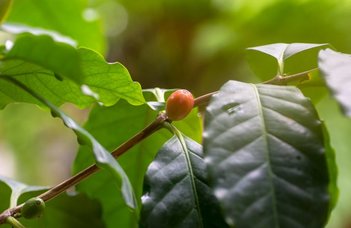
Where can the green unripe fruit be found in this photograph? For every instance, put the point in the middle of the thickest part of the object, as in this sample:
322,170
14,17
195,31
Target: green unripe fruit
179,104
33,208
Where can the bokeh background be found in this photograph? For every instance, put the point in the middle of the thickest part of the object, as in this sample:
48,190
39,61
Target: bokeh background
197,45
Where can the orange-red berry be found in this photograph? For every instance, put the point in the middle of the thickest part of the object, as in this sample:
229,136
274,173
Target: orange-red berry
179,104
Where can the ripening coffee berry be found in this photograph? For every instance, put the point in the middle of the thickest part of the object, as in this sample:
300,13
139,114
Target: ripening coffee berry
33,208
179,104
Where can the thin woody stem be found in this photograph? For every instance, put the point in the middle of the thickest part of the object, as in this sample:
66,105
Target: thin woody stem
284,80
63,186
147,131
70,182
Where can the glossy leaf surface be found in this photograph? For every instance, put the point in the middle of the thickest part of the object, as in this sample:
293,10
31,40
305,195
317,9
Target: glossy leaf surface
176,192
43,51
282,51
109,81
102,157
67,19
112,126
287,58
266,156
61,73
336,71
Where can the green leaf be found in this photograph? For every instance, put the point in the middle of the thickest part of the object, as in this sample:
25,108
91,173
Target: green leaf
176,191
67,19
16,29
332,168
336,71
103,82
5,194
4,9
156,98
72,211
266,155
43,51
40,80
112,126
17,189
102,157
282,51
287,58
108,82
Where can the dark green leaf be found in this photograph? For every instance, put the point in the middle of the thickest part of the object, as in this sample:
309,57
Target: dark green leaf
112,126
176,192
43,51
336,70
266,156
70,20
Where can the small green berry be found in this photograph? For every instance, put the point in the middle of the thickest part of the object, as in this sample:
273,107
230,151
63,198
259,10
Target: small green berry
33,208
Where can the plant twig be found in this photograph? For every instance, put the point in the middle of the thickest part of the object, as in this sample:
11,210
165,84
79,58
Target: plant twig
70,182
204,99
284,80
147,131
63,186
10,214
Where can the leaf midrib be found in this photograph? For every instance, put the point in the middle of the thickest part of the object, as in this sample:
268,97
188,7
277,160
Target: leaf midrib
192,177
267,153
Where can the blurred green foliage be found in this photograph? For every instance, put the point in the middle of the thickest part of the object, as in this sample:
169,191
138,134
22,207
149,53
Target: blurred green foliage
201,44
197,45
